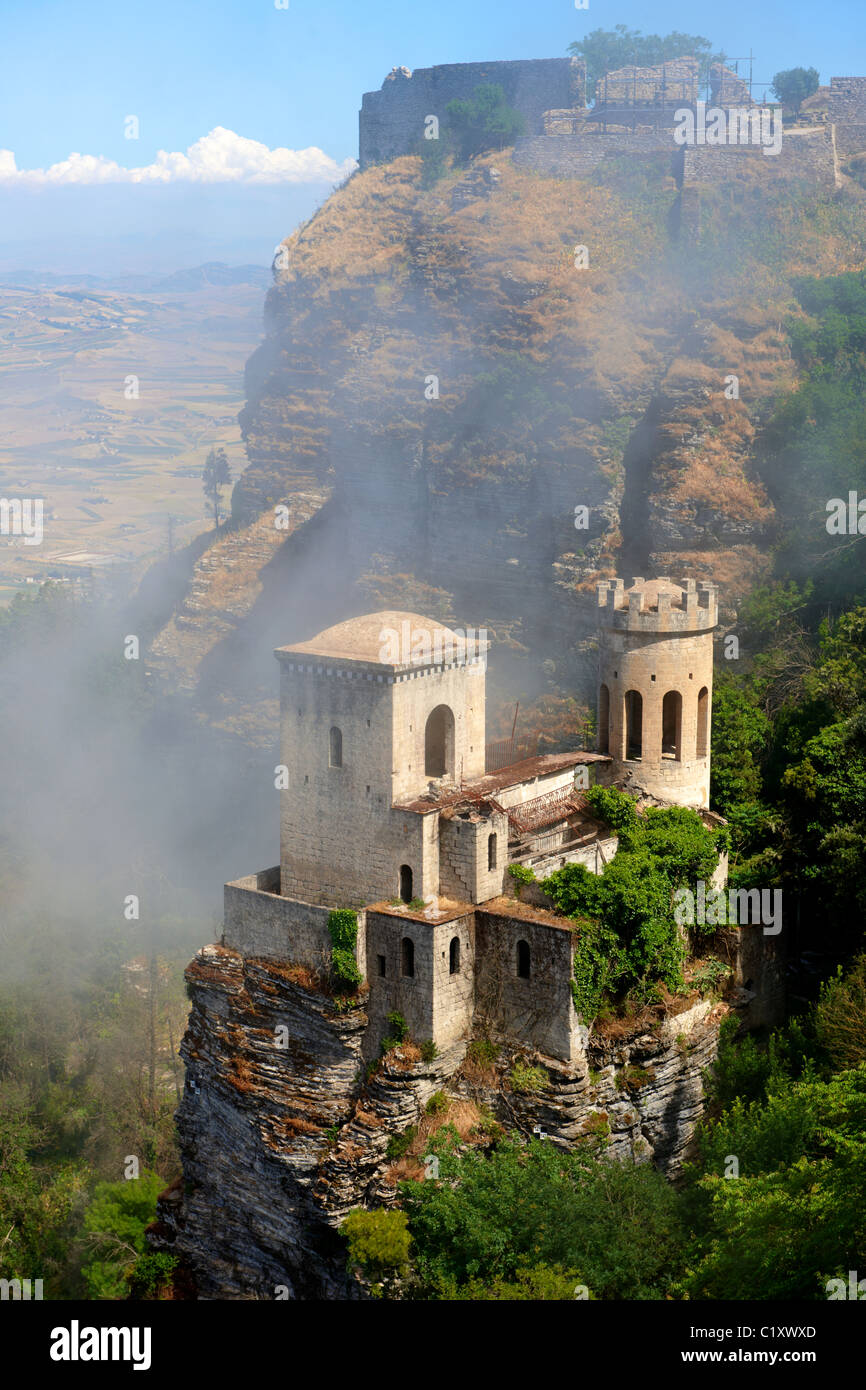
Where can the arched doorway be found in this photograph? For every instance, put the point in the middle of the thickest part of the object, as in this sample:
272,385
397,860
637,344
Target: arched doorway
633,725
454,956
703,721
439,743
406,893
603,720
672,725
407,956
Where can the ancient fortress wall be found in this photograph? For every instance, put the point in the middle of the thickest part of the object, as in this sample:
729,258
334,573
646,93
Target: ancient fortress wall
392,119
847,99
575,154
807,155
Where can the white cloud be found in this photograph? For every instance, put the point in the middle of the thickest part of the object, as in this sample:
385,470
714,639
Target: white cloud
220,157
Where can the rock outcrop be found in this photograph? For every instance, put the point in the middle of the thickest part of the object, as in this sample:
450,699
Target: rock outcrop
444,384
284,1130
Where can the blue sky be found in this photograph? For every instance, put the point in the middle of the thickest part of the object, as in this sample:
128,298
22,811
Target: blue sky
70,73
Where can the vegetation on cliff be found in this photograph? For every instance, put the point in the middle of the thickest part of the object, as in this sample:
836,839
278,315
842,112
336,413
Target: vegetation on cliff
772,1206
627,941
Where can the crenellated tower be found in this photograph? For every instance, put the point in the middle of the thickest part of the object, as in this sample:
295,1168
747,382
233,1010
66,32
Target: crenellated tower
656,685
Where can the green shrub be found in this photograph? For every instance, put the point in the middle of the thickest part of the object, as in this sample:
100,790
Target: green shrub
398,1026
484,122
482,1051
151,1275
617,809
437,1104
537,1283
399,1144
115,1220
378,1243
521,873
711,975
527,1078
343,931
429,1051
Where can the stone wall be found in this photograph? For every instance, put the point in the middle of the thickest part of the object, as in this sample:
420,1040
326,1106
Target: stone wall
392,119
436,1003
847,99
340,841
262,924
574,156
808,155
593,856
464,855
540,1009
850,138
672,83
571,151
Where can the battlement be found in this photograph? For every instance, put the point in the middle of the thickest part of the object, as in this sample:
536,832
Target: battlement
658,605
392,120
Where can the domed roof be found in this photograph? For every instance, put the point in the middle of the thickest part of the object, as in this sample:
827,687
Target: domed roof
387,638
651,588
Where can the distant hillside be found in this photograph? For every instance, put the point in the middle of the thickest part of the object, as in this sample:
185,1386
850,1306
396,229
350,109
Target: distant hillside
214,273
558,388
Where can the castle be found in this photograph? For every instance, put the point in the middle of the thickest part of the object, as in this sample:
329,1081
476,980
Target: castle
389,809
633,114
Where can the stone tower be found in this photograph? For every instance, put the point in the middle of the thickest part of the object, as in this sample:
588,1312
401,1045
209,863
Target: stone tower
656,685
373,711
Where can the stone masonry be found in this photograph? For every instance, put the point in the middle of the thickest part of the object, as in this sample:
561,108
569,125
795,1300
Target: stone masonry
392,119
656,685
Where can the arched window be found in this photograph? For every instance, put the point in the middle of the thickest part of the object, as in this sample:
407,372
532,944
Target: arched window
407,956
335,748
523,960
703,721
491,851
406,883
454,956
604,720
439,743
633,724
672,725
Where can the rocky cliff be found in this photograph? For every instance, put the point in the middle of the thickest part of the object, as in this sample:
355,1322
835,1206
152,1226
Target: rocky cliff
443,381
284,1132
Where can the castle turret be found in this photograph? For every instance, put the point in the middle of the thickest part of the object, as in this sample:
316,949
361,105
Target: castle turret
656,685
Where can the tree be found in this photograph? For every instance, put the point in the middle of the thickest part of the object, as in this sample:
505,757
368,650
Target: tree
215,477
794,85
840,1016
115,1222
604,50
739,738
485,122
613,1227
378,1246
794,1217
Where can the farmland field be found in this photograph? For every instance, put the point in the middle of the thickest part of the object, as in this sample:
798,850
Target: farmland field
109,403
